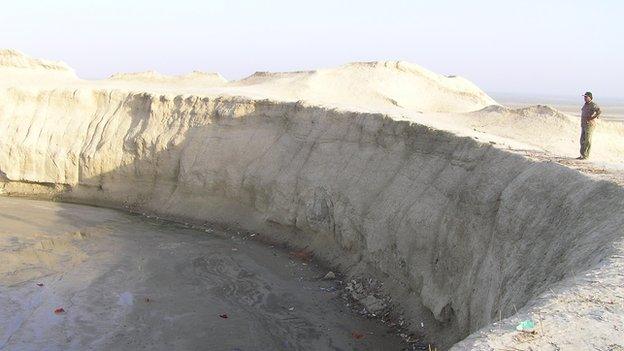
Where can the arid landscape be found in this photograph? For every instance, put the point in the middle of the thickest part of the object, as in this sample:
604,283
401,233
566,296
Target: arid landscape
447,217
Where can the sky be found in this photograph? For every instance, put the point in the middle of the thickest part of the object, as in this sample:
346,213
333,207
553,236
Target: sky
555,47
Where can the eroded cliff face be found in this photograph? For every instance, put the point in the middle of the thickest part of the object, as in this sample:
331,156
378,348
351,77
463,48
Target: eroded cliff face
460,232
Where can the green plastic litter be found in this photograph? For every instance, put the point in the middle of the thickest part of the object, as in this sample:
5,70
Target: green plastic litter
527,325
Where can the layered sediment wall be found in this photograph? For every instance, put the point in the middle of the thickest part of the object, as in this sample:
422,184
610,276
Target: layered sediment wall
460,232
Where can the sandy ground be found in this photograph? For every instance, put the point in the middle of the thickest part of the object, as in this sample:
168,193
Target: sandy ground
127,283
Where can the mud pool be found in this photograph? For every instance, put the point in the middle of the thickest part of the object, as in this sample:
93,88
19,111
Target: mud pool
126,282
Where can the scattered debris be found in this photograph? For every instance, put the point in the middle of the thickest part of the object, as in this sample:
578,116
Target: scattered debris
356,290
329,276
224,316
329,289
526,326
59,310
291,309
357,336
410,339
373,304
368,297
303,255
147,299
39,284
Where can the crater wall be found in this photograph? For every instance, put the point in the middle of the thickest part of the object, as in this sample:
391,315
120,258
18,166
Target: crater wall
460,232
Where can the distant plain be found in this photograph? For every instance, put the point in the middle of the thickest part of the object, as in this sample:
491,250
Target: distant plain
612,108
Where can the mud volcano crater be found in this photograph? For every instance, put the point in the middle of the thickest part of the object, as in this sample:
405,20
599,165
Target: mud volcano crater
461,233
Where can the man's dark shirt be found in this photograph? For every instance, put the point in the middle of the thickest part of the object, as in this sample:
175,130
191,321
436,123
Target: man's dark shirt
589,112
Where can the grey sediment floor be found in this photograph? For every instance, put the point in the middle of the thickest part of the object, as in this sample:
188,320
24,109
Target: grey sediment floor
125,282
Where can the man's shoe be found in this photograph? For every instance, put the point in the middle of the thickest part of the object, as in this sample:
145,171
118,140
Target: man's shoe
581,158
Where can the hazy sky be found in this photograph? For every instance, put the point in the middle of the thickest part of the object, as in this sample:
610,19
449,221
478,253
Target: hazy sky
552,47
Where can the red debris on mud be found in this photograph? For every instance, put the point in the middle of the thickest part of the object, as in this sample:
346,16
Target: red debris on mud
357,336
303,255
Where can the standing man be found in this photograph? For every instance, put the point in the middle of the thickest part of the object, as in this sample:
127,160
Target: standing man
589,114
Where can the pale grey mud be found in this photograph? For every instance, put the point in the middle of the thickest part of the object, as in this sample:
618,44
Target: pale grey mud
75,277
